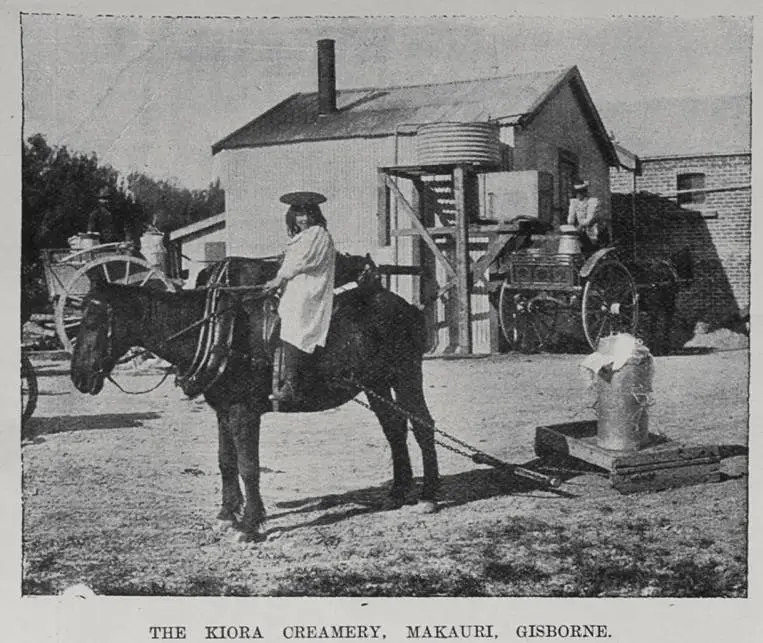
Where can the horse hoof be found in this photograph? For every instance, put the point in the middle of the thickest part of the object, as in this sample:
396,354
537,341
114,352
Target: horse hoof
246,537
224,525
426,507
392,504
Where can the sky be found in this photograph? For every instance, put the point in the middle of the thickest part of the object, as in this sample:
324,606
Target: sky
154,94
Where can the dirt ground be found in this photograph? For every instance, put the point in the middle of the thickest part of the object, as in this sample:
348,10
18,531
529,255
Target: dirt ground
120,493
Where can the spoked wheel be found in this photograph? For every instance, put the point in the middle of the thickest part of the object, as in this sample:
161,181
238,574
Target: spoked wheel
29,392
120,269
610,302
528,322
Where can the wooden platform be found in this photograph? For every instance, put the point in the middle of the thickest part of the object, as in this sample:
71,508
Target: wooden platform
660,464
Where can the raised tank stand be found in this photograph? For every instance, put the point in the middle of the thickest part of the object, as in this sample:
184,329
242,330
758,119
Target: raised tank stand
660,463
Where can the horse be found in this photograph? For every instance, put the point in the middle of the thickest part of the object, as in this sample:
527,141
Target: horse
375,344
658,282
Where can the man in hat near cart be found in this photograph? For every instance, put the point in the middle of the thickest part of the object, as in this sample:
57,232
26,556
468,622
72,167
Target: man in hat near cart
101,220
586,215
306,278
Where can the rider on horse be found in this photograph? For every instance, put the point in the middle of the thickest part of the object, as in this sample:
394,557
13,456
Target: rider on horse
306,278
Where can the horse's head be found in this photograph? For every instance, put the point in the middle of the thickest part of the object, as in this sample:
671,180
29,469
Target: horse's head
360,269
101,341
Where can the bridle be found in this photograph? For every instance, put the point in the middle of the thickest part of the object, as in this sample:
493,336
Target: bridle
110,334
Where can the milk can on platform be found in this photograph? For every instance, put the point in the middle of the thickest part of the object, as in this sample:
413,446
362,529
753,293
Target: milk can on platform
622,370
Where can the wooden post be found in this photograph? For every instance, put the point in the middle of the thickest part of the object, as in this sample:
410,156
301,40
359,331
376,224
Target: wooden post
462,262
382,209
416,252
428,291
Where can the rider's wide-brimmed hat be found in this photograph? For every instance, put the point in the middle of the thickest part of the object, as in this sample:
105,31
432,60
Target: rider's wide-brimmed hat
580,185
303,198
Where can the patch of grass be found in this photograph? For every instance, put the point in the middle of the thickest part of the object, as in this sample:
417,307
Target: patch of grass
512,573
206,585
150,588
688,578
37,586
329,582
624,560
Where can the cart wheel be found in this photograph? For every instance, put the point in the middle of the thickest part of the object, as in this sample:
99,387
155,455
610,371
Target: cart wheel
610,302
528,323
120,269
29,392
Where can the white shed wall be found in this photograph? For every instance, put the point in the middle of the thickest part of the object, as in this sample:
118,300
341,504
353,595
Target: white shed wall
345,171
193,248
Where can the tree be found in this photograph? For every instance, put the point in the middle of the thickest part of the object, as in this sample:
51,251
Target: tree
173,207
59,190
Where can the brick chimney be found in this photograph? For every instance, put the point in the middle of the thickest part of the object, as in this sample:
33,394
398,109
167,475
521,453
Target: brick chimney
326,77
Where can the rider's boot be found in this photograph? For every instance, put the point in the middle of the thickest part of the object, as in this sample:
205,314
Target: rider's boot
292,390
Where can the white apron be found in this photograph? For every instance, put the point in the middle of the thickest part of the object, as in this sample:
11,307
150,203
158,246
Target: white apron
307,300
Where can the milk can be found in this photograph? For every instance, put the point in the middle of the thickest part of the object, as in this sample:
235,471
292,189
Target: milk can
622,370
152,248
569,242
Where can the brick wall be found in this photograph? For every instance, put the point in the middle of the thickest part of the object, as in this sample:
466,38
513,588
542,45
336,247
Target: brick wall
717,233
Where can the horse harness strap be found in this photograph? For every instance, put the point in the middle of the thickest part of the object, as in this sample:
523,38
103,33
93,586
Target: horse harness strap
213,347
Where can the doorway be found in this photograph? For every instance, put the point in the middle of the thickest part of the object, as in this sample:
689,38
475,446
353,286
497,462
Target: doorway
568,174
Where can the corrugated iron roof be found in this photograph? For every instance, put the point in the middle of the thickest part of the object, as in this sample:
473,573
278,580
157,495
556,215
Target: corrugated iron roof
692,126
380,111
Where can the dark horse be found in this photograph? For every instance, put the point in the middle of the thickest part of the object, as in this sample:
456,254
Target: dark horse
658,282
375,343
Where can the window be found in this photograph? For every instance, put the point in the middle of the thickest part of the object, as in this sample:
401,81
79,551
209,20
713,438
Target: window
691,181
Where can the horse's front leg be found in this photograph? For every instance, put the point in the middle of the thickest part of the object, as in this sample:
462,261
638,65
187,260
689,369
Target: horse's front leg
245,428
396,431
232,499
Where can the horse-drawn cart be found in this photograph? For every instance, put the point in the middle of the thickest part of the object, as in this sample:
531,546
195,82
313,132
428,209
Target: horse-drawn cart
69,274
549,280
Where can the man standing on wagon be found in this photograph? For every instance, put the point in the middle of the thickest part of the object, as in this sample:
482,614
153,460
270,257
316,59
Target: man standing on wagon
307,279
586,215
101,220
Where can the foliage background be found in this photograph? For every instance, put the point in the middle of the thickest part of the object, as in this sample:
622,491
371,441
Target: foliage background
59,190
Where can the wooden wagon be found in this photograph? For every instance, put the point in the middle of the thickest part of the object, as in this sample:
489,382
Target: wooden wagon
535,287
69,274
542,287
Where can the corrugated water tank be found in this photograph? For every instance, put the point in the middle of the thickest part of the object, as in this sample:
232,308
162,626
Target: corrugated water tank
447,143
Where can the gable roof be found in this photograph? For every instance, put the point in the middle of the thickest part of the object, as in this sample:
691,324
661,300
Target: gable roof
382,111
692,126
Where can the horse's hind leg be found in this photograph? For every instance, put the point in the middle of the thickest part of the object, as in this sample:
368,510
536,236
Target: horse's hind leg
232,499
410,396
395,430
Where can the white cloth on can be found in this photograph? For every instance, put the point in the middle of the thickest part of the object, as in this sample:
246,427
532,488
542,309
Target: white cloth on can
307,300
